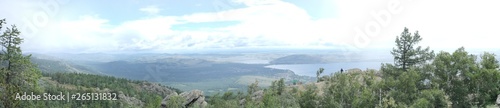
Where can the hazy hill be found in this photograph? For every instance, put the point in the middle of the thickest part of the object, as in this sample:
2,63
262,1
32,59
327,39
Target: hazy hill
186,72
299,59
51,65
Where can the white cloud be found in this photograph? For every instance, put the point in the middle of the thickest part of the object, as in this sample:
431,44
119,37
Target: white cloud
442,24
275,23
88,34
454,25
151,9
258,27
257,2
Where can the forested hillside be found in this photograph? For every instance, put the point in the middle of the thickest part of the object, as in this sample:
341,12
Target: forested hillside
129,93
417,79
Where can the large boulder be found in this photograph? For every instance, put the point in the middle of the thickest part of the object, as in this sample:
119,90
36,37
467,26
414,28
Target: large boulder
167,98
192,98
156,88
131,101
256,96
498,100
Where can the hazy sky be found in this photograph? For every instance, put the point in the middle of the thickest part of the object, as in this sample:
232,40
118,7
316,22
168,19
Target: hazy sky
165,25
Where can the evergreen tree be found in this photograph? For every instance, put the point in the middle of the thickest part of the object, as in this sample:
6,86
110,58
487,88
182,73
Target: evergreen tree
281,86
253,87
319,73
407,54
16,70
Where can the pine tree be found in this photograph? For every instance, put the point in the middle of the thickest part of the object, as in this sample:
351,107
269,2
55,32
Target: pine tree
253,87
281,86
407,54
16,70
319,73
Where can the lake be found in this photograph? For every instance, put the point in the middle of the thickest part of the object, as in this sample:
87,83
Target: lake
310,69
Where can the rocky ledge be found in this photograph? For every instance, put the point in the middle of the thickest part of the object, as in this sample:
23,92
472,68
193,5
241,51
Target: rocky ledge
192,98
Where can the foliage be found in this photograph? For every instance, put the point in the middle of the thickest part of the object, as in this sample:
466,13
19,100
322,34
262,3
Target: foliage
456,79
319,73
389,102
405,89
253,87
487,80
278,86
407,54
16,70
421,103
72,83
308,98
270,99
435,97
453,75
175,102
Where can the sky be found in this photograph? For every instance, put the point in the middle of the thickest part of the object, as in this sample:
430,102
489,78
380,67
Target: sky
94,26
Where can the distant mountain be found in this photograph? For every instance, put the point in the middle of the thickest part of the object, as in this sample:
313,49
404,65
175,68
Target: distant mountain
50,65
209,73
299,59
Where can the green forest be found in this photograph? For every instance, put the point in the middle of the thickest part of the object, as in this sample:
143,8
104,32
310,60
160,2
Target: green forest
418,78
134,93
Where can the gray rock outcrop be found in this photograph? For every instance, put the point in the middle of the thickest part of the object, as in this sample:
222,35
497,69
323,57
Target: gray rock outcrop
256,96
167,98
498,100
156,88
131,101
192,98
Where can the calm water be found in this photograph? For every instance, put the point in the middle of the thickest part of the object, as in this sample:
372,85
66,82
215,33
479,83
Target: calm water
310,69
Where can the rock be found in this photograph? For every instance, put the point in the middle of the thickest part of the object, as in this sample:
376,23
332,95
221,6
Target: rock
193,98
156,88
498,100
167,98
131,101
256,96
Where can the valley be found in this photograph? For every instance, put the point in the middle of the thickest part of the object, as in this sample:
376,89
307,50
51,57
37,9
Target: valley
211,73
